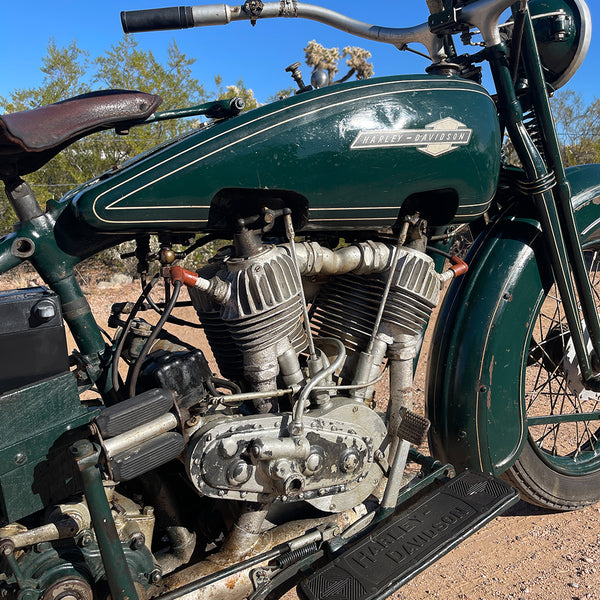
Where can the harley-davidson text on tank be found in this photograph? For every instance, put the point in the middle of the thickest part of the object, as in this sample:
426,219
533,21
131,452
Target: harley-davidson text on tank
436,139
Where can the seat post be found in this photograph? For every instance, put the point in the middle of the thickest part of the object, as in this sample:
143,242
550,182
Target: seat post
22,199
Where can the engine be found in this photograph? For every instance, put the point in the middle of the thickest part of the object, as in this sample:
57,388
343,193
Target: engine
287,432
303,426
300,333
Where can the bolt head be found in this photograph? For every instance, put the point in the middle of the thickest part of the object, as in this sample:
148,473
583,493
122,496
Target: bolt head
350,461
138,541
238,472
6,548
156,576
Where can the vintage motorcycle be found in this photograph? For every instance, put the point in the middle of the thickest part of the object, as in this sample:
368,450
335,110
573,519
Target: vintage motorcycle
340,206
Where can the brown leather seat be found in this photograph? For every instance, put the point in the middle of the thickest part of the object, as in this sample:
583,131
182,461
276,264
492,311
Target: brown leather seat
29,139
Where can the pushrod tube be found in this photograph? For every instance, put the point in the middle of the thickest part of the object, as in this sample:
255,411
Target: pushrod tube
540,184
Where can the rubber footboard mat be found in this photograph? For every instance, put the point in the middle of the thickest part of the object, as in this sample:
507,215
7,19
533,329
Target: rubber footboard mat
401,547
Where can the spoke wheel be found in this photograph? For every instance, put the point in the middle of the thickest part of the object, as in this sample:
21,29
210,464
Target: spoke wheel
560,464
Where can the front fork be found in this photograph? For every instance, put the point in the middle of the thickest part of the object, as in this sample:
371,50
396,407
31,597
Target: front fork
550,192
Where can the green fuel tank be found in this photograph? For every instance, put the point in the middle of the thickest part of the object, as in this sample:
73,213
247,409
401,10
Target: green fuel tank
350,156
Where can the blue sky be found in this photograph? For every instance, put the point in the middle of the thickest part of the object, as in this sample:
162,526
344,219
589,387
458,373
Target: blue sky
257,54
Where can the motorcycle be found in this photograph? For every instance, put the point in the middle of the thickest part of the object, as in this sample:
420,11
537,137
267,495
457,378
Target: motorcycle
335,211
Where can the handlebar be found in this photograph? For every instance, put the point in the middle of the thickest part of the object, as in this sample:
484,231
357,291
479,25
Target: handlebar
483,14
221,14
157,19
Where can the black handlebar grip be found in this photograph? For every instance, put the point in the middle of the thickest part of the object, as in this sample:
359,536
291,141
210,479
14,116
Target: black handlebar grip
157,19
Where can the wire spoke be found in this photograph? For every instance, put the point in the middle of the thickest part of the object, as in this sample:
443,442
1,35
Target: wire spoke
547,389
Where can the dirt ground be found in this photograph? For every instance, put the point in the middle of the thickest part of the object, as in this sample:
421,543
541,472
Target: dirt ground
528,553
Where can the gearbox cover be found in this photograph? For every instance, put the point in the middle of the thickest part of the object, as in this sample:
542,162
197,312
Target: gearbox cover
254,458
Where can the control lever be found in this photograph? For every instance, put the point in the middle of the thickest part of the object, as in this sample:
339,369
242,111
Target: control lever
294,69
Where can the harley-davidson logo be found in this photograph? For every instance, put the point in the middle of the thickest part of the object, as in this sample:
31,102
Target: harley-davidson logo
435,139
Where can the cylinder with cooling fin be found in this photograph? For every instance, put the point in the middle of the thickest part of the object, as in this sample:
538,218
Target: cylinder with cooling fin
261,319
347,306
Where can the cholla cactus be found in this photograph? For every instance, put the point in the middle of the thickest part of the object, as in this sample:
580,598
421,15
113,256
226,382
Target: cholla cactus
319,57
357,60
326,59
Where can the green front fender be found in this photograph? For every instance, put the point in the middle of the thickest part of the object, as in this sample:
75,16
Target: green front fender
476,365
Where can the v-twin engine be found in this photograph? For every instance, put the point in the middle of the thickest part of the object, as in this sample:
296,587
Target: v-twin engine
304,331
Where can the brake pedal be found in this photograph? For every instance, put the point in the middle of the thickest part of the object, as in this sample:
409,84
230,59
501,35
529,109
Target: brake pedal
413,427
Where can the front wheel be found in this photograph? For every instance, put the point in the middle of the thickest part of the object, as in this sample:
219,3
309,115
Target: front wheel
559,466
504,395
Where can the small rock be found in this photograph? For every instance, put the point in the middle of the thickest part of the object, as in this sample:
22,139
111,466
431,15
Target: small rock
121,279
117,280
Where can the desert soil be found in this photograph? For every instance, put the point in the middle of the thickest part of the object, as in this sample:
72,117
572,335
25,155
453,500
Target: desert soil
528,553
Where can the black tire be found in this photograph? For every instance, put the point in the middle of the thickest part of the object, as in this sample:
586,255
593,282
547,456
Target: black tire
559,467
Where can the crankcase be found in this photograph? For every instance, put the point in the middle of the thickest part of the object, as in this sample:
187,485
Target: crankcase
254,458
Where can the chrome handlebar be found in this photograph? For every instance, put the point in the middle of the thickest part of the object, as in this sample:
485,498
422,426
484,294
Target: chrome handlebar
483,15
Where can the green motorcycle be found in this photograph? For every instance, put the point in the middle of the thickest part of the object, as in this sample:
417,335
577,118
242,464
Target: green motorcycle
129,469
